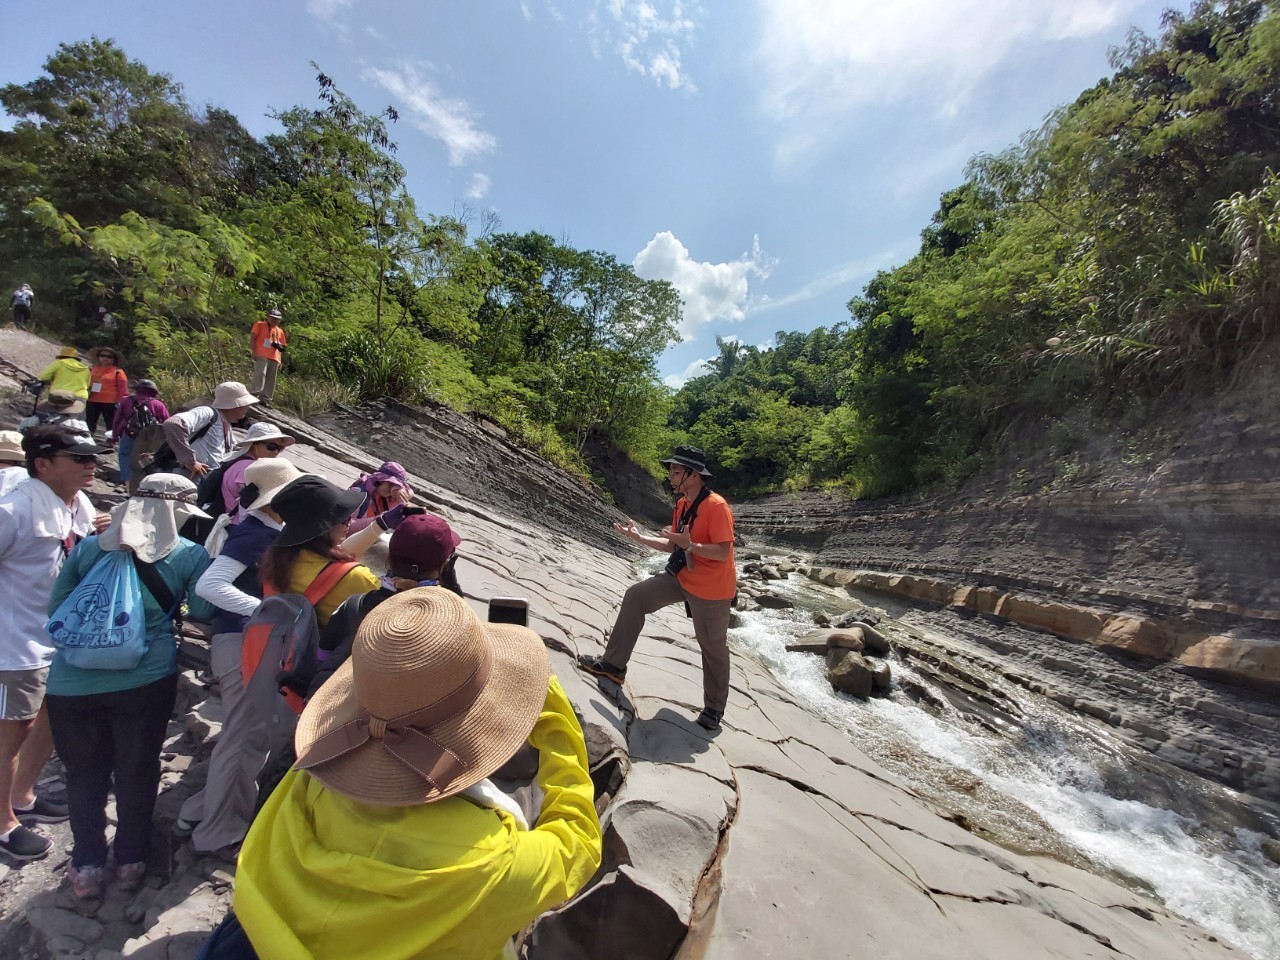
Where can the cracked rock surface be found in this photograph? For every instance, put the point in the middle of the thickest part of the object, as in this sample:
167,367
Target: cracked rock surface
776,837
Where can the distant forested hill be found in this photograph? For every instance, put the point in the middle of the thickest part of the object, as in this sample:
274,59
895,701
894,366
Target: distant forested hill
1127,249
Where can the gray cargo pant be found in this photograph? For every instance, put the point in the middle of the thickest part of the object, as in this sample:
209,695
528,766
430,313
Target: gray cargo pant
255,723
710,627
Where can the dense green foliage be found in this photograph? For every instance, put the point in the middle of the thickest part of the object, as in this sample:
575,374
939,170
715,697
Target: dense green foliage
1128,248
1126,251
114,192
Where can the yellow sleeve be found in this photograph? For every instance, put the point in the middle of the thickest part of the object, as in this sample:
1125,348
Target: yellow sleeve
49,371
555,859
359,579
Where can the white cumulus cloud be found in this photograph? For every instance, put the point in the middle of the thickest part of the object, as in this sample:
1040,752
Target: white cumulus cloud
695,369
711,292
649,35
447,119
824,58
478,186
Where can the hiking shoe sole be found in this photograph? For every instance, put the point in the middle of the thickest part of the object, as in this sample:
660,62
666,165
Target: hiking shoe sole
25,844
602,668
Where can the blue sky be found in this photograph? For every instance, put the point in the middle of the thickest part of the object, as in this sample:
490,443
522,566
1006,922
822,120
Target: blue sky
766,156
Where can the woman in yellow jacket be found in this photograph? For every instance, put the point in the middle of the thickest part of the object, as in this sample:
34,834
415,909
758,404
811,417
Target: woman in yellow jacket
68,372
388,840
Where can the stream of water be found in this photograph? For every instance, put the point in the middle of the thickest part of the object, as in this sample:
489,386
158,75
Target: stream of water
1046,787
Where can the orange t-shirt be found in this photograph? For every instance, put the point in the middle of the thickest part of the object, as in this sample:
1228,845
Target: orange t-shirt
264,334
108,384
713,523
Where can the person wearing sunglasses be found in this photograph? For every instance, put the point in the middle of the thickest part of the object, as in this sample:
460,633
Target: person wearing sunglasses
262,441
41,520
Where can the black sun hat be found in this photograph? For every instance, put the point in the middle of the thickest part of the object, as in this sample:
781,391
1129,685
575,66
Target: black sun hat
310,506
691,458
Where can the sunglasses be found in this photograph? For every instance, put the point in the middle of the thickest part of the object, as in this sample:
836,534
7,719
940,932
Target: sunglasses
274,447
80,458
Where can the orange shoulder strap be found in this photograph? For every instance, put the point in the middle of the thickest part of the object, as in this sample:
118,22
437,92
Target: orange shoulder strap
327,579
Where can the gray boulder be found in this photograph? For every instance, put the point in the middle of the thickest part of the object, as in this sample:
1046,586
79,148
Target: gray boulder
850,673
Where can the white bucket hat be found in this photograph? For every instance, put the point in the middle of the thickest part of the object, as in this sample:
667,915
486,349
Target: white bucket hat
11,447
231,395
268,477
259,433
149,521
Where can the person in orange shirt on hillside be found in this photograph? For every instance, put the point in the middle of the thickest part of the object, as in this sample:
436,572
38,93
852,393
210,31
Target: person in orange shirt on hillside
108,385
700,574
268,341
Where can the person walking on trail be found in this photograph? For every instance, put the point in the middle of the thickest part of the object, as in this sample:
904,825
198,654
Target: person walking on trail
137,425
40,521
22,300
68,372
109,724
108,385
699,574
392,797
269,342
201,437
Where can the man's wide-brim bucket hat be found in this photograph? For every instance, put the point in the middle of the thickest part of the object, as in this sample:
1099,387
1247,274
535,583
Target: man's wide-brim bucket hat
231,395
432,701
691,458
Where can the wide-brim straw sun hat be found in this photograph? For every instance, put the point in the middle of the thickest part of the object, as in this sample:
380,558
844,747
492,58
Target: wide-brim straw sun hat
68,353
260,433
231,395
11,447
267,478
149,522
310,506
432,701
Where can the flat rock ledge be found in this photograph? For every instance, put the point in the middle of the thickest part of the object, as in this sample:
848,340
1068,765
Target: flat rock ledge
1237,659
776,837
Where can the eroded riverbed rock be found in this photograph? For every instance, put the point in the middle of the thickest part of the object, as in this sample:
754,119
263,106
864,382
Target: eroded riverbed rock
775,837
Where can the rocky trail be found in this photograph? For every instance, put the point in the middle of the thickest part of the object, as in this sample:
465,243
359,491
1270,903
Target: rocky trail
778,837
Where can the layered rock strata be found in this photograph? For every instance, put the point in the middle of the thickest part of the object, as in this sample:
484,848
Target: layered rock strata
776,838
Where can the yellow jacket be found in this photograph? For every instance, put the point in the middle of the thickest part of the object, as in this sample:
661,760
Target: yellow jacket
68,374
323,876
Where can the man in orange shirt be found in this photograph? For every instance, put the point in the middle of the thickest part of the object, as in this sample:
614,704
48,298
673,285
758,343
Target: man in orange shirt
268,341
700,574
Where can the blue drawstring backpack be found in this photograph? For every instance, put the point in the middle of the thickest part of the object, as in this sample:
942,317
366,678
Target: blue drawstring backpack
102,625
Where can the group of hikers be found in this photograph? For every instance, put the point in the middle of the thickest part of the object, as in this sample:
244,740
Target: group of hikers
361,778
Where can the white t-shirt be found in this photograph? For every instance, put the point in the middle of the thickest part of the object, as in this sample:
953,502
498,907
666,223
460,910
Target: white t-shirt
10,477
36,532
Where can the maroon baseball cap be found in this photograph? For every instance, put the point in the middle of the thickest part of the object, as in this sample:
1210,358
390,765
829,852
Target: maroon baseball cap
421,545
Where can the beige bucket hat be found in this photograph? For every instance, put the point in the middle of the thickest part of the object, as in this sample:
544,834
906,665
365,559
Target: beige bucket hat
11,447
230,395
267,478
432,701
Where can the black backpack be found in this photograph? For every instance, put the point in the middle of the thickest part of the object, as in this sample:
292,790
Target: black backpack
164,460
209,490
140,417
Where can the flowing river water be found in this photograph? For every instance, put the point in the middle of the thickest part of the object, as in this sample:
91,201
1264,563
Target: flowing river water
1052,782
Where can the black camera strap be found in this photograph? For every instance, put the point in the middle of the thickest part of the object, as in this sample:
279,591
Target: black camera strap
678,559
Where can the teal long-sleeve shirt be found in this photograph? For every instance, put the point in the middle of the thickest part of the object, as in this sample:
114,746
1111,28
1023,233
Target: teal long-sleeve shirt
179,569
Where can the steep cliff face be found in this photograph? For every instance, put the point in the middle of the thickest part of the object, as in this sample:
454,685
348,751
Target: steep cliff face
1164,558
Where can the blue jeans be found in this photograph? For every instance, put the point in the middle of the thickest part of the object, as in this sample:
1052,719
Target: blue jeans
122,456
